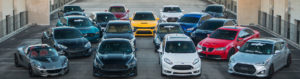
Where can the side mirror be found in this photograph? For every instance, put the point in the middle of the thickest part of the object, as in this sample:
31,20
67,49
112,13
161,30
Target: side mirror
240,39
127,11
130,18
208,35
277,51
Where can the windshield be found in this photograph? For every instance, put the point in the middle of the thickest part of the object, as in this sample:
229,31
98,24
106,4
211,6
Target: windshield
40,53
217,9
144,16
257,48
119,28
72,8
69,14
189,19
115,47
224,34
171,9
165,29
80,22
67,34
105,17
117,9
211,25
180,47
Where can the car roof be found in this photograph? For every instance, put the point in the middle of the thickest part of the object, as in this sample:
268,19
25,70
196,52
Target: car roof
144,12
234,28
177,37
39,45
267,39
75,16
117,5
170,6
118,21
116,39
218,19
196,14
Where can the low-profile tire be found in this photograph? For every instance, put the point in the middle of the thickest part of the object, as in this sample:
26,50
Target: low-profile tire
230,53
271,72
17,61
30,71
135,71
94,72
289,61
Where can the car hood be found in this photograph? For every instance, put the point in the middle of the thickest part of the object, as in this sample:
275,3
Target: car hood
144,23
118,35
117,58
215,14
241,57
181,57
215,43
88,29
73,43
172,14
119,14
187,25
202,32
51,63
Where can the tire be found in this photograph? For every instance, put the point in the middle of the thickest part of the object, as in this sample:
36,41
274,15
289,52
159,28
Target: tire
135,71
271,72
30,71
289,61
230,53
17,61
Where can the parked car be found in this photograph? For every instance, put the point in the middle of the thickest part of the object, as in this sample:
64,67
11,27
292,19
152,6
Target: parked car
74,13
102,18
225,41
190,21
68,41
178,56
209,26
41,60
120,11
170,13
216,10
144,23
164,29
119,29
115,58
69,8
261,58
84,24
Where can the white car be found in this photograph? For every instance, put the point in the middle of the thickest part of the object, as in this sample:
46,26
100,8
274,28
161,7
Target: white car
178,56
170,13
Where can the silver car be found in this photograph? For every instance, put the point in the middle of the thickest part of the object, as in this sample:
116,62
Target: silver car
260,58
41,60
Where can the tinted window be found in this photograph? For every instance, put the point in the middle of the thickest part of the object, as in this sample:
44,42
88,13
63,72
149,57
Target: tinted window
169,29
224,34
189,19
217,9
72,8
118,28
42,54
144,16
257,48
180,47
105,17
211,25
229,23
69,14
117,9
115,47
79,22
67,34
171,9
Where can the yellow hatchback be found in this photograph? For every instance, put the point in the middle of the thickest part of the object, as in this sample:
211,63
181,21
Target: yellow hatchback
144,23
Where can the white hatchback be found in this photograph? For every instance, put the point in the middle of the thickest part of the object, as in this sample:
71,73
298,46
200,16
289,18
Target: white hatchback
178,56
170,13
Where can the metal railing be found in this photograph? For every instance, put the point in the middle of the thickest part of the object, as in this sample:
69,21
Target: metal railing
13,23
58,3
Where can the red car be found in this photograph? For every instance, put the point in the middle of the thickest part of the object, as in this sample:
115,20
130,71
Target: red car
120,11
225,41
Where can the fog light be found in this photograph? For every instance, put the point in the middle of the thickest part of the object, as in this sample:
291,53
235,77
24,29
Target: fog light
197,71
167,71
261,72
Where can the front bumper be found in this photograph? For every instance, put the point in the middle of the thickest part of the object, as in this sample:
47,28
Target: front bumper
50,72
261,71
144,32
99,72
212,54
169,71
78,53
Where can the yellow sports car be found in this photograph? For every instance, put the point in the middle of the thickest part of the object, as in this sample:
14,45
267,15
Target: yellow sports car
144,23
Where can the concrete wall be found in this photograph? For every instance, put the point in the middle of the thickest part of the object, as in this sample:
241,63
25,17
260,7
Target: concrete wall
19,6
38,11
294,11
252,7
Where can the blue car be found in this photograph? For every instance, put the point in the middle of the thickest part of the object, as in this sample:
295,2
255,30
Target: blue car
190,21
82,23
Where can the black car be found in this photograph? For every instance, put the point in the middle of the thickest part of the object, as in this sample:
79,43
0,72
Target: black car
119,29
216,10
163,29
209,26
75,13
102,18
68,40
69,8
115,58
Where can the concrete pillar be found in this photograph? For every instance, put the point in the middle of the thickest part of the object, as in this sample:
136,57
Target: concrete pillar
247,11
38,11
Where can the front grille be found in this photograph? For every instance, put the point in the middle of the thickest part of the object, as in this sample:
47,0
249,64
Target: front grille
172,19
244,68
90,34
143,27
182,73
114,66
210,49
143,32
204,48
54,71
182,67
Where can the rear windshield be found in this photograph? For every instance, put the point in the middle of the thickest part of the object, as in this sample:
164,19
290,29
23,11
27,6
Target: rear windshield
105,17
72,8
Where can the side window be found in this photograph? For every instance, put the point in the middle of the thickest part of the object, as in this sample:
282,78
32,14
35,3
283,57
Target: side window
250,32
278,46
243,34
229,23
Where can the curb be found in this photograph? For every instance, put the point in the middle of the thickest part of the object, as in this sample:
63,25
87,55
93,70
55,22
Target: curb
14,33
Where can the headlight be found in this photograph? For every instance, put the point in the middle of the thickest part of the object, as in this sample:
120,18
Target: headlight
87,45
221,48
37,66
199,46
132,63
168,61
61,46
231,60
98,63
65,63
196,61
190,29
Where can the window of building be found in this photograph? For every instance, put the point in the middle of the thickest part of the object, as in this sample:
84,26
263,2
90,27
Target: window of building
278,24
298,31
288,26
